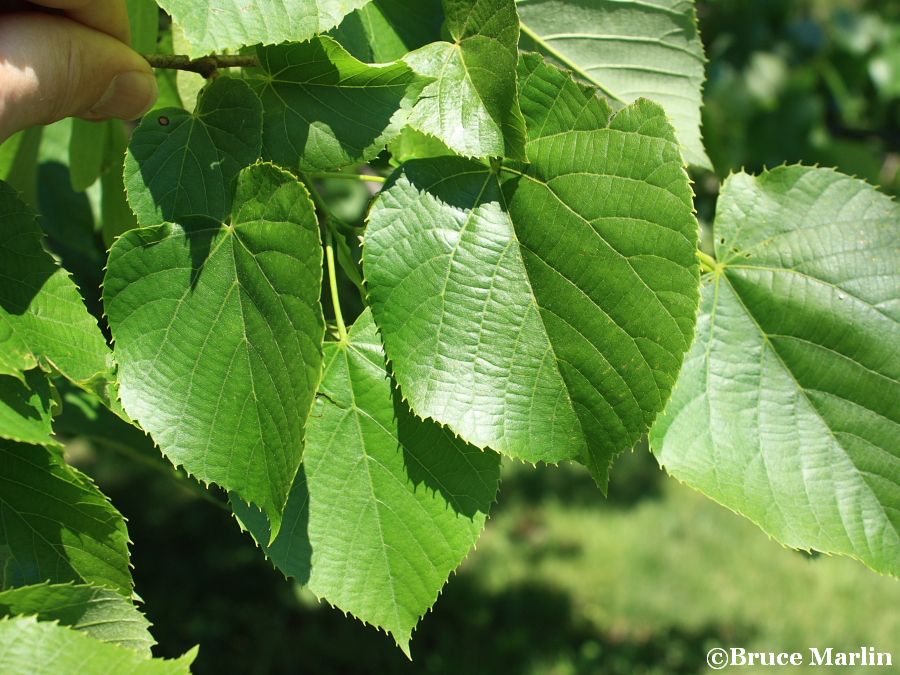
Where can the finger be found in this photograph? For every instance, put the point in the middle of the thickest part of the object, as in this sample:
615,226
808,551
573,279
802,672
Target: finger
107,16
52,67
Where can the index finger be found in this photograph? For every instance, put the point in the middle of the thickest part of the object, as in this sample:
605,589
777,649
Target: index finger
106,16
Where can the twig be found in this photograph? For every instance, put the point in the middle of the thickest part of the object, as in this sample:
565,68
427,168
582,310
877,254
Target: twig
207,66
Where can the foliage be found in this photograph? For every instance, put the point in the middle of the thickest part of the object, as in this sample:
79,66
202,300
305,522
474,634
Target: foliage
526,282
794,350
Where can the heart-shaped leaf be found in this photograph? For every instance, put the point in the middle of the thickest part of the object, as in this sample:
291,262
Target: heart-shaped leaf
787,410
218,331
542,311
385,505
182,165
472,105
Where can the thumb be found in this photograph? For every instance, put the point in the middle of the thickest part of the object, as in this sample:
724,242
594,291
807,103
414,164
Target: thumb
52,67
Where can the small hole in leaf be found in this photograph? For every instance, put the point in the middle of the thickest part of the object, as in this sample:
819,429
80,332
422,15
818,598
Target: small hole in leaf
163,121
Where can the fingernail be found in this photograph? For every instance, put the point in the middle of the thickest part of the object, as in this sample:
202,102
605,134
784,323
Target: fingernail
128,97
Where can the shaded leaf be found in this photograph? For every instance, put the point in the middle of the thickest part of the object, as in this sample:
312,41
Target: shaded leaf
787,409
26,408
182,165
385,505
116,216
386,30
55,525
543,313
43,320
25,642
19,155
94,147
324,109
143,16
218,331
103,614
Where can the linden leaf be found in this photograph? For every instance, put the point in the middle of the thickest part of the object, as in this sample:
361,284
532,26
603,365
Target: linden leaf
542,312
787,408
218,330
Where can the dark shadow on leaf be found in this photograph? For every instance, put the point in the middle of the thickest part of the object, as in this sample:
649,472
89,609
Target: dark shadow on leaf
416,24
38,532
291,549
455,181
67,219
468,476
24,265
311,105
200,232
17,396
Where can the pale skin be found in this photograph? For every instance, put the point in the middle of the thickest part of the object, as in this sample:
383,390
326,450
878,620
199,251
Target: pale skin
69,58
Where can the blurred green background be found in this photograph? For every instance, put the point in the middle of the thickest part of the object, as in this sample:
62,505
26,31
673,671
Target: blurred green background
563,580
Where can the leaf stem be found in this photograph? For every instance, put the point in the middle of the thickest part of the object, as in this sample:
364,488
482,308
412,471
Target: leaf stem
707,262
350,176
207,66
325,216
332,283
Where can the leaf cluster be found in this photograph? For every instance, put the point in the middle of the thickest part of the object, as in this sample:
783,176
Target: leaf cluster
530,280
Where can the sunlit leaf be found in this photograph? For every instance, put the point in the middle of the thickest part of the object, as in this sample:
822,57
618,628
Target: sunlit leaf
385,505
218,331
543,311
787,410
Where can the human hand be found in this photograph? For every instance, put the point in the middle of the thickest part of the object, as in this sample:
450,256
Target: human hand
65,58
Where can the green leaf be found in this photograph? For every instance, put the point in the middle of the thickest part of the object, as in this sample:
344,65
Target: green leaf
471,105
116,217
9,151
26,408
43,320
542,313
55,525
26,643
218,332
19,162
181,165
98,612
787,408
324,109
412,144
94,147
630,49
188,84
385,505
215,25
143,16
18,156
386,30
